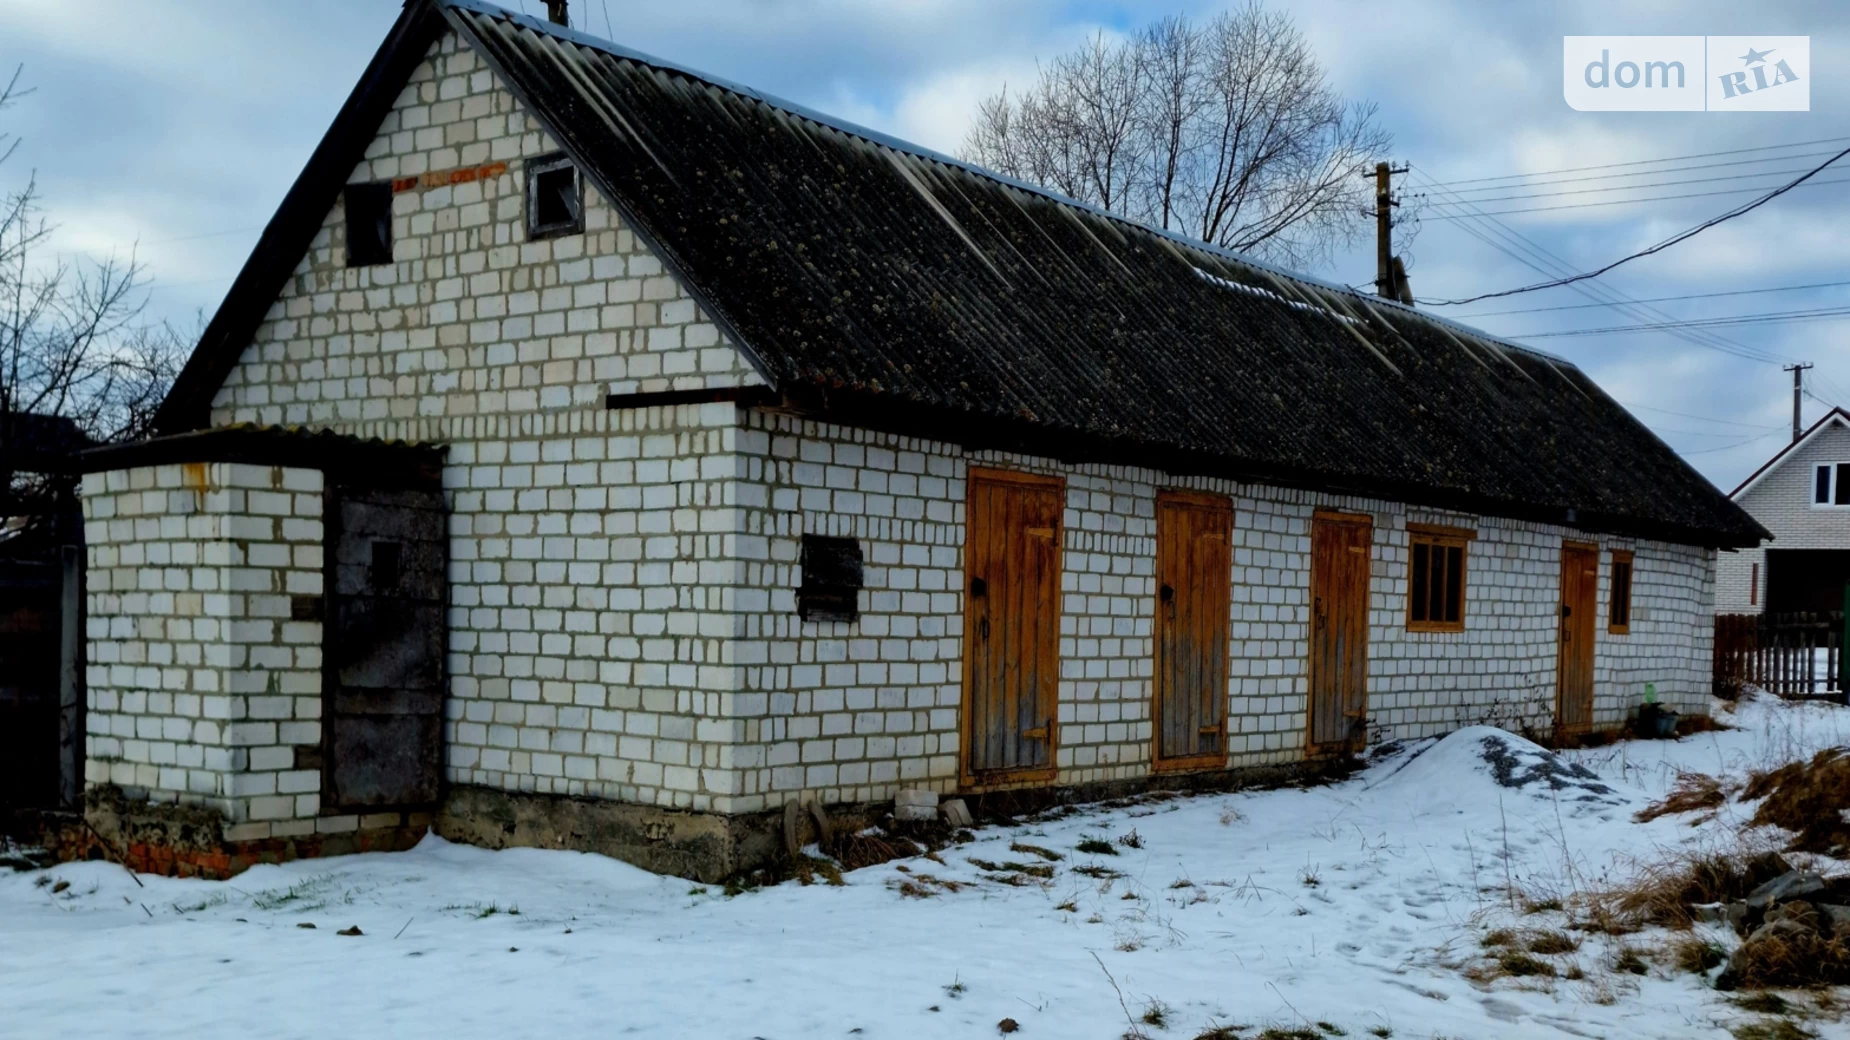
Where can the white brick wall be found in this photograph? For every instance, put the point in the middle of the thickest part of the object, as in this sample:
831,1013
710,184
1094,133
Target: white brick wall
1781,501
851,711
622,614
586,634
199,684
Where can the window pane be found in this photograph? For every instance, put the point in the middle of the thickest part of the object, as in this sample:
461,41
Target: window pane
1821,491
1842,496
1417,589
1454,581
1620,612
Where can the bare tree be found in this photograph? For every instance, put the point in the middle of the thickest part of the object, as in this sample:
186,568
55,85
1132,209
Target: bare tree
73,342
1227,131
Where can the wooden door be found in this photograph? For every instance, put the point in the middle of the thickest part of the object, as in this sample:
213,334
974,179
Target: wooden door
1011,625
1339,553
1574,667
1194,567
384,647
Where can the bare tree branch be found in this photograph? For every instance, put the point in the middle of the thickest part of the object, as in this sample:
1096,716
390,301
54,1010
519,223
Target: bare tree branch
73,340
1228,131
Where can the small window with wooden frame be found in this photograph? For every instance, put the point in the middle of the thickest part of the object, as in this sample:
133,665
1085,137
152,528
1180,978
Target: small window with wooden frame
1619,598
1436,577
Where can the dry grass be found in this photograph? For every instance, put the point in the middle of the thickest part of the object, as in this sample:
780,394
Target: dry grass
1696,956
1799,957
1808,798
1693,792
1772,1029
924,886
1630,961
1035,850
1510,963
1664,892
1552,943
857,850
1038,870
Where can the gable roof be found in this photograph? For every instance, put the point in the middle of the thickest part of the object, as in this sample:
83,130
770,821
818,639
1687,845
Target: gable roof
1835,415
881,284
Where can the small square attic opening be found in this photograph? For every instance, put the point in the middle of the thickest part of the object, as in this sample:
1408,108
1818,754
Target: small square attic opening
832,577
369,223
555,198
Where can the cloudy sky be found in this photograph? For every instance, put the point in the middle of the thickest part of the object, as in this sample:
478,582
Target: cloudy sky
173,127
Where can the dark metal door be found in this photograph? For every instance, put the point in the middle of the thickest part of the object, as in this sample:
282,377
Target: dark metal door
1194,572
1339,551
1011,625
30,625
1574,673
384,647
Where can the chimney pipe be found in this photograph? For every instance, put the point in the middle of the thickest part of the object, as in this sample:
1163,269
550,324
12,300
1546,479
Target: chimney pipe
555,13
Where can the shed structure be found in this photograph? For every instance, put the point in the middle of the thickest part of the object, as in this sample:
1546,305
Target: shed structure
787,462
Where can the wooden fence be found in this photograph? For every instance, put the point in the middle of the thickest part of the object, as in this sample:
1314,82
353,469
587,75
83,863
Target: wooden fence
1792,655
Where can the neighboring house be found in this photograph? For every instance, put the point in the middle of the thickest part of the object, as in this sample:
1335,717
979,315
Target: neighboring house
1802,496
786,463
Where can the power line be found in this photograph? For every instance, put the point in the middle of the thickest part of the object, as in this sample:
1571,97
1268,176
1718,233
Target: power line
1551,264
1737,444
1635,187
1659,247
1658,299
1628,202
1765,317
1705,418
1518,177
1645,162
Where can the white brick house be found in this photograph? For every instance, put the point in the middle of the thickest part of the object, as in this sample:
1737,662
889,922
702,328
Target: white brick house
1797,497
806,465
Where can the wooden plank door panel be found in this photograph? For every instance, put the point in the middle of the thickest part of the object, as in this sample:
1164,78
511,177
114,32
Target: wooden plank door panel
384,648
1574,666
1339,571
1011,625
1194,567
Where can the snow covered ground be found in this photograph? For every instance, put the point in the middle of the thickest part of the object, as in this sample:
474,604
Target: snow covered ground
1355,904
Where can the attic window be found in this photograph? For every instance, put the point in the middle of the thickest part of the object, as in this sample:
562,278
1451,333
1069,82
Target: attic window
831,579
555,198
369,223
1830,485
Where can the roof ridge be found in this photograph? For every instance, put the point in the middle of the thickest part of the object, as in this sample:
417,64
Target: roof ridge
1778,458
899,144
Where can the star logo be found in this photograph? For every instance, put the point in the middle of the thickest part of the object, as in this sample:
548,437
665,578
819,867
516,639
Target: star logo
1754,57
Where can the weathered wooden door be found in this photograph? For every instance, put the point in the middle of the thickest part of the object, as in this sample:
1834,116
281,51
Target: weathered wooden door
384,647
1339,552
1194,566
1011,625
1574,667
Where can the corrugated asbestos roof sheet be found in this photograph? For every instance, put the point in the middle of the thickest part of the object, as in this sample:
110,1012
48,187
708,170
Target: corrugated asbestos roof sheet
878,282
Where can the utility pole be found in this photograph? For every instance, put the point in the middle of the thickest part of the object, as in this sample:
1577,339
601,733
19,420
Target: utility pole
1390,273
1798,393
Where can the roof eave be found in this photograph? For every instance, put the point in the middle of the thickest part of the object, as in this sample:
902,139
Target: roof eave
1784,454
287,236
